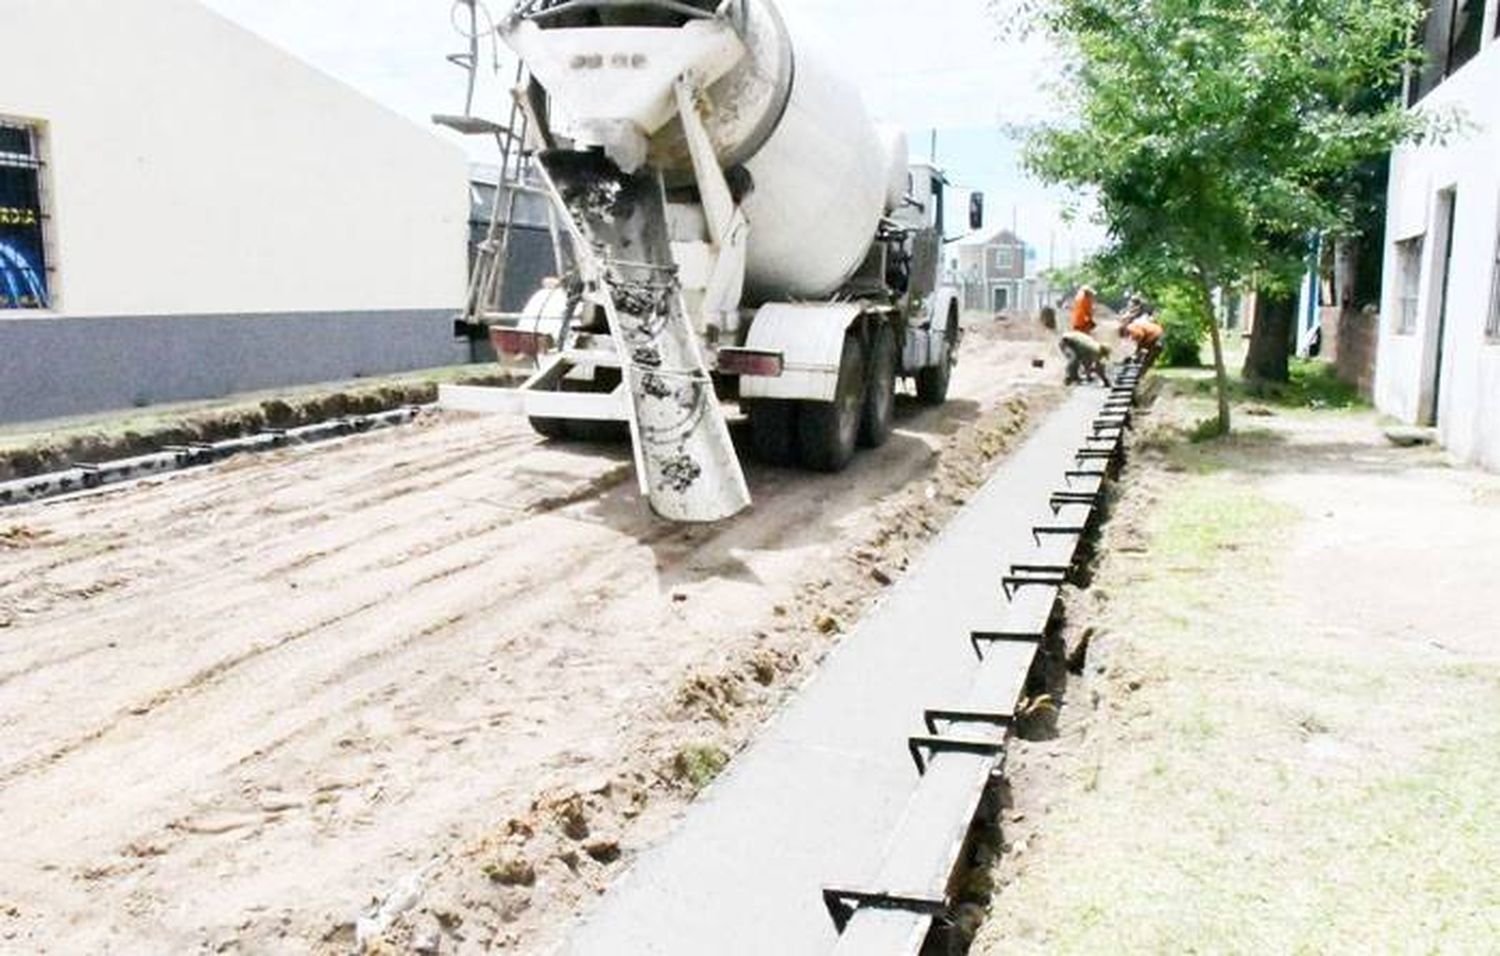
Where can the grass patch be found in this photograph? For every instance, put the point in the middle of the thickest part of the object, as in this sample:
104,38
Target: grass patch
1257,781
698,765
1214,517
1314,385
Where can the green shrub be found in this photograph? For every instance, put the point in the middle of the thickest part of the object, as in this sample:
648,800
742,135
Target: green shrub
1179,316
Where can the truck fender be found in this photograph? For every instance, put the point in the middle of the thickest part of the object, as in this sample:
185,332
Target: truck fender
927,345
810,339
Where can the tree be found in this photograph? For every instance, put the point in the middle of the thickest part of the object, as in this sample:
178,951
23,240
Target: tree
1213,132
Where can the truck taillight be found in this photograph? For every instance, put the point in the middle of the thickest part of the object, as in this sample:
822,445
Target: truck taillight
751,362
518,342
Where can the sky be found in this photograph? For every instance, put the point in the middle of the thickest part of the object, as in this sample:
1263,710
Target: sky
922,65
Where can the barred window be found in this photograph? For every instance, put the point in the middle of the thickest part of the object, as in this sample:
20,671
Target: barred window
23,220
1409,283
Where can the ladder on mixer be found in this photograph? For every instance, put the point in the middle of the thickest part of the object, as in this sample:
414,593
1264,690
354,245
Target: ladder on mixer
483,301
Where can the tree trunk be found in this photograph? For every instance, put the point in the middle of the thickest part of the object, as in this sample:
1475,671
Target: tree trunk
1270,352
1221,374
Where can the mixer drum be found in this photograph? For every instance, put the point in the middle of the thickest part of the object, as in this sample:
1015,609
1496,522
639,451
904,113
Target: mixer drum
820,169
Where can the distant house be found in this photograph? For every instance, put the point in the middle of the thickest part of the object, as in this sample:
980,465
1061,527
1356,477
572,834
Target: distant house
187,211
1438,360
992,269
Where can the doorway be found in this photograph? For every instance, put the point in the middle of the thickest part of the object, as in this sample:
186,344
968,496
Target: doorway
1447,210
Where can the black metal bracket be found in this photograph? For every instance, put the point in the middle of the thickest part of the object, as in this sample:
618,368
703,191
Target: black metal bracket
1096,454
931,717
1057,530
1061,499
933,745
1047,575
842,903
1074,473
978,638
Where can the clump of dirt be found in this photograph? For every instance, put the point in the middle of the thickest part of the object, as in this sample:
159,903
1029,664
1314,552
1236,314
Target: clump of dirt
518,887
19,536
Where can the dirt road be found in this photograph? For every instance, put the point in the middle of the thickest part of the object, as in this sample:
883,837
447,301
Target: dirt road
239,706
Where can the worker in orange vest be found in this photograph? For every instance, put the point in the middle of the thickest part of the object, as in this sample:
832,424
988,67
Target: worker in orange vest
1083,311
1147,336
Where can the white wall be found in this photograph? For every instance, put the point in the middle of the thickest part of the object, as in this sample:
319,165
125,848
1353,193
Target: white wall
1468,412
196,169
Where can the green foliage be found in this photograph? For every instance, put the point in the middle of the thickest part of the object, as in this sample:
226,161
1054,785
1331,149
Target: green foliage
1111,288
1314,384
1218,135
1207,429
1185,328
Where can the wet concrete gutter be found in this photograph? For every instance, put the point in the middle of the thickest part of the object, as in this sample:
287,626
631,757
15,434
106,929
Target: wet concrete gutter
815,802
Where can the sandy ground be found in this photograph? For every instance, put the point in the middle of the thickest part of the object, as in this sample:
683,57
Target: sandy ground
1286,737
448,678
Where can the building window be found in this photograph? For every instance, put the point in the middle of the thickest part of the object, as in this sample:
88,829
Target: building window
23,220
1409,284
1452,34
1005,258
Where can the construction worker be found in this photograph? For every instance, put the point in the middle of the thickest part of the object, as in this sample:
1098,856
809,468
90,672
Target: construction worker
1083,311
1085,356
1135,309
1147,336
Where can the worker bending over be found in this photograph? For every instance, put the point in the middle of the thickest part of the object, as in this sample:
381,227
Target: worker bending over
1086,358
1142,329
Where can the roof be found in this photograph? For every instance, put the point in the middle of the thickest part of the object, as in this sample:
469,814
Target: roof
1000,237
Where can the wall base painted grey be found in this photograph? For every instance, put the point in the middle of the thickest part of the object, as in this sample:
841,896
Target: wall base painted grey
51,367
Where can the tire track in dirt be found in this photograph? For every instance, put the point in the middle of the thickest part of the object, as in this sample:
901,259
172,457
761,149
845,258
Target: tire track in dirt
474,649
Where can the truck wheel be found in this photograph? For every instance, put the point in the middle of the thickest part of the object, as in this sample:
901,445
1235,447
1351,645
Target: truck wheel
932,382
827,432
552,429
773,431
879,415
581,430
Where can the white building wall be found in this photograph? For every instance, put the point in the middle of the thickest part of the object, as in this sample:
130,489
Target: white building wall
196,169
1468,406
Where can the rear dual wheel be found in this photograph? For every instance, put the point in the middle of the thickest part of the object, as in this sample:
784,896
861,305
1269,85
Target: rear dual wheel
828,432
823,436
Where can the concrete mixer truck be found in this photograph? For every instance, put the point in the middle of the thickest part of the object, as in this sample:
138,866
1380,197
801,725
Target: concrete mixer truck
736,228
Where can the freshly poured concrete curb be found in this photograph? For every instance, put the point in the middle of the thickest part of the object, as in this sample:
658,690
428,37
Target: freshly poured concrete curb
814,802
